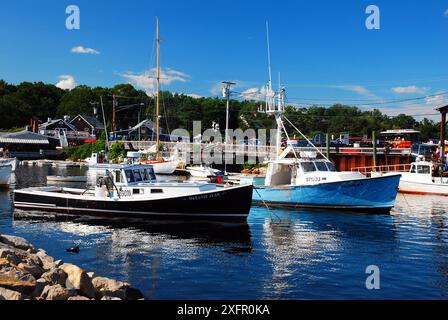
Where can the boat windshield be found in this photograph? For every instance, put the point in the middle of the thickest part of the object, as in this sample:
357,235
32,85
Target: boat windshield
308,167
130,176
138,176
321,166
423,169
330,166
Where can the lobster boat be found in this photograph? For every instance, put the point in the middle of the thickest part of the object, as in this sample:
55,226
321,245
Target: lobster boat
133,191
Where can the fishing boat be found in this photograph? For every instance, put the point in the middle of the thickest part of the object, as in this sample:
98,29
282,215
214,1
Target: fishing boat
5,175
422,177
132,191
310,180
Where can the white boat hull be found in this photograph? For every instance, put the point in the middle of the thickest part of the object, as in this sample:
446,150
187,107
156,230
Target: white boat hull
424,188
165,168
12,162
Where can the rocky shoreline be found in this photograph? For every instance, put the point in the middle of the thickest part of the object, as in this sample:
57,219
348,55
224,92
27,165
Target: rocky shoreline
27,273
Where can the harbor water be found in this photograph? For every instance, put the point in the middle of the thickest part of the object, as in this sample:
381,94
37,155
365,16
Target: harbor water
278,254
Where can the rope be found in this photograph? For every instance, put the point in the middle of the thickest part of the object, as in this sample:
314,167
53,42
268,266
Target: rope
267,207
306,139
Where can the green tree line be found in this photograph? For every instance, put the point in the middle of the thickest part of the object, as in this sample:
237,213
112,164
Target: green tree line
18,103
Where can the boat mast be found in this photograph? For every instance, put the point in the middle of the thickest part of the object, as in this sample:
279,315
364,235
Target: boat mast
158,92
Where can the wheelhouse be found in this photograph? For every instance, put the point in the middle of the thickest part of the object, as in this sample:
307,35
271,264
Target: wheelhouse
131,175
282,173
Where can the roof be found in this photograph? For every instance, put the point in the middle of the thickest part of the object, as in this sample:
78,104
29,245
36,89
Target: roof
55,121
24,137
92,121
145,123
443,109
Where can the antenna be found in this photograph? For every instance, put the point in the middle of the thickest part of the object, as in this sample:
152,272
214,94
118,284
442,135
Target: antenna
269,54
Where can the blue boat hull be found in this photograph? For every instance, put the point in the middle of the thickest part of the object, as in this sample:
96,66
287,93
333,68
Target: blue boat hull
366,195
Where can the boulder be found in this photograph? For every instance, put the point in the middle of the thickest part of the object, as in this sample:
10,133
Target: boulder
78,279
55,276
79,298
6,294
10,255
110,298
112,288
46,260
35,270
9,281
40,286
56,292
16,242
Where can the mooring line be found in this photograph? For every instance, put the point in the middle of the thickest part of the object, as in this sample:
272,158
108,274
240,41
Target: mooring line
267,207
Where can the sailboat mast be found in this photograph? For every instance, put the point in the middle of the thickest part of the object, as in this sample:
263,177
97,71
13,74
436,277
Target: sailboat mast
158,91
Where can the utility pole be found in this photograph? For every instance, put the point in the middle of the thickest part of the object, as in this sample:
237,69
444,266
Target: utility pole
114,105
226,94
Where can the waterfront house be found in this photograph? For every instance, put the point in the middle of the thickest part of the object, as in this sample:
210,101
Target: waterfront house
27,145
88,124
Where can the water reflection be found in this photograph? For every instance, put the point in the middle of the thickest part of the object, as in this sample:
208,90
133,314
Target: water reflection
293,255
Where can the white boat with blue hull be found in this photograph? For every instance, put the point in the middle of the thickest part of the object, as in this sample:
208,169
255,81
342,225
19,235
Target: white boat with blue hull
314,184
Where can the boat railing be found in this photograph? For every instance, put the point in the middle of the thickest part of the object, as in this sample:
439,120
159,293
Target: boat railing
383,169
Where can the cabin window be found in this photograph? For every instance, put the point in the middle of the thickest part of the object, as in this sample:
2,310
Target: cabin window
118,176
145,175
321,166
130,176
138,191
152,175
138,176
308,166
423,169
330,166
156,191
413,169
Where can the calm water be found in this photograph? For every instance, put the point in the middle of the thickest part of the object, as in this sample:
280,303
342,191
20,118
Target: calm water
291,255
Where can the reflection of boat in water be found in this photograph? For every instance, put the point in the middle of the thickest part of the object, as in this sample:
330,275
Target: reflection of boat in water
133,191
5,175
236,236
67,179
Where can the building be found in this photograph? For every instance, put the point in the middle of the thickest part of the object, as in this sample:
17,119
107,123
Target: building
64,131
88,124
27,145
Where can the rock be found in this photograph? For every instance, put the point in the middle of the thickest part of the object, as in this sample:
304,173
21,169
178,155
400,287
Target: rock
16,242
79,298
55,276
4,263
9,281
46,260
40,286
34,270
113,288
110,298
9,255
91,275
6,294
56,292
79,280
58,263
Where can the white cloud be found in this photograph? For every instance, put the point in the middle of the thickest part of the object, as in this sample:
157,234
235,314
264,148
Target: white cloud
83,50
67,82
147,79
409,89
193,95
258,94
445,13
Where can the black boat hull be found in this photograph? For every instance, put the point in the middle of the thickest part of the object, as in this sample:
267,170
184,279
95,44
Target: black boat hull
226,204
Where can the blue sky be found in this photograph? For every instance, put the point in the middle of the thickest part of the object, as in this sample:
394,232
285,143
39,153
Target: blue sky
322,49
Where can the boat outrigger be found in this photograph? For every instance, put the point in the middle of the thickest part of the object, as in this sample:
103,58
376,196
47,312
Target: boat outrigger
129,191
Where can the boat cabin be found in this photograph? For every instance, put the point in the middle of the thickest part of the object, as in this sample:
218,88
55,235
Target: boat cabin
126,175
295,172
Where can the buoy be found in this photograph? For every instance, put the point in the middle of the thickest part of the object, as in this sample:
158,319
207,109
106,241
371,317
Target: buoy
73,250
